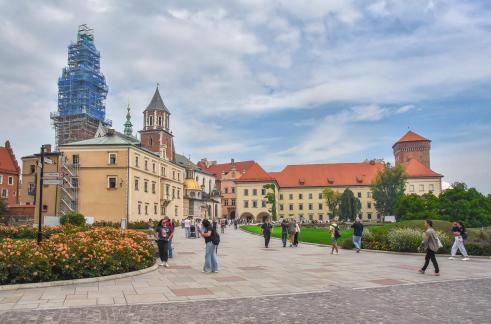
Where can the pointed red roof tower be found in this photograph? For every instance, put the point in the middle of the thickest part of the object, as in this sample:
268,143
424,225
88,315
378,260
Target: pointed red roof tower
412,146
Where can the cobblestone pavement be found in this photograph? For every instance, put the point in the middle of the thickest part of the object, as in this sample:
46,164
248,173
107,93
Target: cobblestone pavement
247,270
448,302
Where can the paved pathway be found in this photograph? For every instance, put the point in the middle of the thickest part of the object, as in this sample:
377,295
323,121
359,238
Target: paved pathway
247,269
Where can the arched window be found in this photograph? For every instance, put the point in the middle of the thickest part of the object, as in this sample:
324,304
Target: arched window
160,120
150,120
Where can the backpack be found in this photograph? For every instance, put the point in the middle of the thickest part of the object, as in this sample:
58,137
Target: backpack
215,238
336,232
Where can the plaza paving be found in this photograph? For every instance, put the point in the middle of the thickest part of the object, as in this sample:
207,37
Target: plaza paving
366,281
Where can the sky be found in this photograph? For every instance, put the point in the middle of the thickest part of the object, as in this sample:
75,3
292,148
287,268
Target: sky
277,81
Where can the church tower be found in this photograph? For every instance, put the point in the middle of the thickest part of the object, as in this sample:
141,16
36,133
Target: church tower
156,135
412,146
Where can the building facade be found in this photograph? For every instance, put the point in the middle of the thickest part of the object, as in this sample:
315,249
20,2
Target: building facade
9,175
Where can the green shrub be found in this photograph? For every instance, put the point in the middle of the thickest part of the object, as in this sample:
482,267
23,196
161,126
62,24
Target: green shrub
72,218
404,239
347,243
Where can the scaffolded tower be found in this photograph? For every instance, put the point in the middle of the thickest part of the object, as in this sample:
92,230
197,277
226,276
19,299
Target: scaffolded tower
82,92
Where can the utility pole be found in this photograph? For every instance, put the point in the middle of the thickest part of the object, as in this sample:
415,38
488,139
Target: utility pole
41,184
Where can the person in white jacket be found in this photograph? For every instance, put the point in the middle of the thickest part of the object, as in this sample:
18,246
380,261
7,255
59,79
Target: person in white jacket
460,235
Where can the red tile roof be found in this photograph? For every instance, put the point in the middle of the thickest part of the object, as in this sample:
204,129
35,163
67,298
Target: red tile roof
256,173
217,169
8,163
322,175
415,169
411,136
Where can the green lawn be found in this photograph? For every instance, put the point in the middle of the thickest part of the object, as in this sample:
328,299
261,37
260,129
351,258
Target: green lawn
307,234
321,235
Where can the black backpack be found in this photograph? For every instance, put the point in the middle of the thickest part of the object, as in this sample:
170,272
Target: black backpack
215,238
336,232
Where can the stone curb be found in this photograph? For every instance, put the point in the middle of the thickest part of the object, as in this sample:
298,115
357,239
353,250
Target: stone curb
375,251
78,281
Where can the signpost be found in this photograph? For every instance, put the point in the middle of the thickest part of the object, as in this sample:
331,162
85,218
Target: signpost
41,184
52,174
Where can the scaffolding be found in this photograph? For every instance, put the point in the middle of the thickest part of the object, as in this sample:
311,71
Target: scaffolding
82,91
70,187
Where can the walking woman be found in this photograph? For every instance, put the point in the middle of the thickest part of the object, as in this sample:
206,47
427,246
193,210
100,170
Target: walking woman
164,233
291,231
460,234
211,259
334,229
297,232
430,244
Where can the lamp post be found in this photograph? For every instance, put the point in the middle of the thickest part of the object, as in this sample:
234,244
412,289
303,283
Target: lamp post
41,184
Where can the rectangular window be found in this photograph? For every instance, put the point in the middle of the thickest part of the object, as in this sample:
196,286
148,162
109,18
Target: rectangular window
311,206
75,183
174,174
359,195
432,187
178,193
421,187
225,202
162,171
246,204
153,167
369,205
145,186
263,203
300,196
32,169
254,204
320,206
263,192
11,180
31,191
225,190
369,215
321,217
146,164
311,217
369,194
310,195
281,206
290,196
320,195
153,187
1,179
233,189
290,207
173,192
45,208
136,184
155,209
111,182
137,161
254,192
5,193
178,176
281,196
411,188
146,209
112,158
75,159
300,206
246,192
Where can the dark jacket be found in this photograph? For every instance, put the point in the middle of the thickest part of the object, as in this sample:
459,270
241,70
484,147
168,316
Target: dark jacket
357,229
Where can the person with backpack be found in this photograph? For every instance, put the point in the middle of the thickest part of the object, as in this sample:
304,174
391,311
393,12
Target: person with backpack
212,239
284,231
357,233
460,235
292,226
334,229
266,228
163,234
431,245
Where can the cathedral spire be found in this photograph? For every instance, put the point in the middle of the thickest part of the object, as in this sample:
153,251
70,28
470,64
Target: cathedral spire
128,126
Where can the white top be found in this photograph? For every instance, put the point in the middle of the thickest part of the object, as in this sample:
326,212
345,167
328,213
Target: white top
187,223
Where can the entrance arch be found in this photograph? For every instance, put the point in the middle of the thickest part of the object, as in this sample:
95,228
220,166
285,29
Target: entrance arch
263,217
232,214
247,216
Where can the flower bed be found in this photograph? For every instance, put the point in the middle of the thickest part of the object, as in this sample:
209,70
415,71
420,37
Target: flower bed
74,254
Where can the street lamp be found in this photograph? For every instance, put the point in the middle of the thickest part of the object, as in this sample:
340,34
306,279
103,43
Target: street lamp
41,185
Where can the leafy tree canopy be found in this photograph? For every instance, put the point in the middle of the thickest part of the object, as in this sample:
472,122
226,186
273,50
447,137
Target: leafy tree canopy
388,188
349,206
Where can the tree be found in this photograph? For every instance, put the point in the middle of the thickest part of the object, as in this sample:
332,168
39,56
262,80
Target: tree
414,206
3,211
72,218
349,206
332,199
467,205
271,199
388,188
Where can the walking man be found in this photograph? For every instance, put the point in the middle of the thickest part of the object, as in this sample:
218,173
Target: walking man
187,227
357,233
284,231
292,227
430,244
266,228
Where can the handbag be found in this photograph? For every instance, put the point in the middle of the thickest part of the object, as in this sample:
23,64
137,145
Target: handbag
439,243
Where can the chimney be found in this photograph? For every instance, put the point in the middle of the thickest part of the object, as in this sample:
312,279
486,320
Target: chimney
47,148
232,161
7,144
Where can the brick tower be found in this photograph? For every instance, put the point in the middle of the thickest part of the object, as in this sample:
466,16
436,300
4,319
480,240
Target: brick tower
412,146
156,134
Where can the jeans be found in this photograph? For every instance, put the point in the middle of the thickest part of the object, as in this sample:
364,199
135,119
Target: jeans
211,258
295,239
284,238
458,244
267,237
430,255
169,253
357,241
163,250
187,231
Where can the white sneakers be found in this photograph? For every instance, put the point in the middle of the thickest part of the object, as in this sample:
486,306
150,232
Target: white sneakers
161,263
464,259
451,258
164,264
